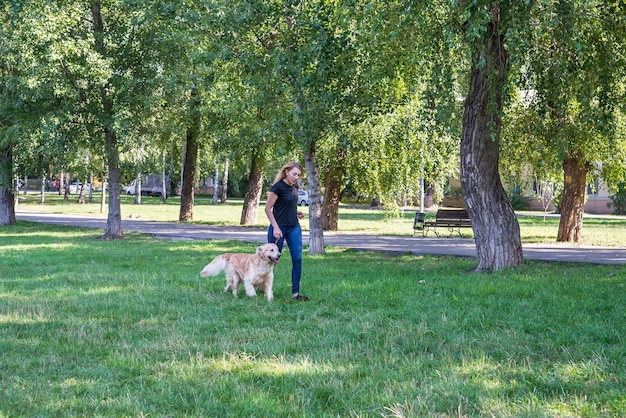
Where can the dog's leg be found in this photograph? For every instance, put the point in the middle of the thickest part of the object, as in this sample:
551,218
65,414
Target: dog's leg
232,282
249,288
269,294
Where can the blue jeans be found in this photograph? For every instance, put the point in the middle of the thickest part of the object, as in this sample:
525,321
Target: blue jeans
293,235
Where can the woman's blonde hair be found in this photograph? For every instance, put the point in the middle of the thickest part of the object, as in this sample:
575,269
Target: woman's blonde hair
287,167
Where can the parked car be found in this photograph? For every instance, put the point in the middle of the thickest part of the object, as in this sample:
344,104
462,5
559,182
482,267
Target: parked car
303,198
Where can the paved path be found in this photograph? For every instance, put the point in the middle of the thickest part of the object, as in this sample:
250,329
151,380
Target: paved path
462,247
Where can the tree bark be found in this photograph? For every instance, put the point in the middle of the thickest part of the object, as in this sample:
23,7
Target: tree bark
8,193
114,217
62,183
252,199
316,232
573,201
225,182
216,182
164,193
103,198
191,160
42,198
66,190
138,192
81,194
496,230
429,198
332,190
7,196
90,183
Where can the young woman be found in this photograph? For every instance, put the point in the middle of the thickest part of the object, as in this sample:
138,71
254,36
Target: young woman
282,211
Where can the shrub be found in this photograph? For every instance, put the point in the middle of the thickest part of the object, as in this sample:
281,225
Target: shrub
619,199
392,211
518,199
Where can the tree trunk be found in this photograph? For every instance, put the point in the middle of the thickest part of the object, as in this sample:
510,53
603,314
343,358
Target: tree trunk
225,182
7,206
332,190
62,183
138,192
7,196
496,230
66,191
114,217
103,196
90,183
573,201
42,198
81,194
316,232
164,193
216,183
429,200
191,160
171,186
251,201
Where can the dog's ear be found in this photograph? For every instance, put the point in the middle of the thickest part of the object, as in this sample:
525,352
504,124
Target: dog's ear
259,251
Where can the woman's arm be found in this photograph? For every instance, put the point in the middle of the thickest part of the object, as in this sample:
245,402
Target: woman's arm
269,206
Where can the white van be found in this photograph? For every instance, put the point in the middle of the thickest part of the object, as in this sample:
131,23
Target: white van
151,185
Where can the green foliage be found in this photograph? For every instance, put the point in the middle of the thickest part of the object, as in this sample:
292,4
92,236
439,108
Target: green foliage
391,210
570,90
519,200
409,144
619,200
381,81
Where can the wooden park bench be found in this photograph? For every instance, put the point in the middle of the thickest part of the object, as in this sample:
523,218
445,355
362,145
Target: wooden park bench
450,219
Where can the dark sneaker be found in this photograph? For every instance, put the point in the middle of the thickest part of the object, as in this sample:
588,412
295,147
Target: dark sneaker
300,298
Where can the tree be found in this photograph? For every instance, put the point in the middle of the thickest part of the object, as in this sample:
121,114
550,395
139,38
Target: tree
575,67
332,81
114,218
12,64
98,66
404,105
191,157
327,59
415,140
496,230
252,95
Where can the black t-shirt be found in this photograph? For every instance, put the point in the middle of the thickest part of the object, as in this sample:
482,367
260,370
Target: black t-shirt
286,206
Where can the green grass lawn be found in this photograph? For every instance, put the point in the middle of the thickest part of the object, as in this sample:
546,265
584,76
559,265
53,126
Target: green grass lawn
604,231
128,328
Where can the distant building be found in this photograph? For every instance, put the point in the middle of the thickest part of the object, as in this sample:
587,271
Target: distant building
598,200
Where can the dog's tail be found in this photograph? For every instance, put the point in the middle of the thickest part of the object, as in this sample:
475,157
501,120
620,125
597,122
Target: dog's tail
215,267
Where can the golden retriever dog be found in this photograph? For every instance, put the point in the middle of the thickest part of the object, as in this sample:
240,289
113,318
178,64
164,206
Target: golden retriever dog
254,270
